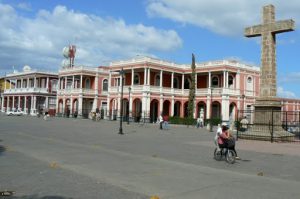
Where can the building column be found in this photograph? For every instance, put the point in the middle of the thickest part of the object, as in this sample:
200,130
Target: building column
225,108
224,79
161,104
109,82
27,86
209,79
182,84
237,80
71,106
13,103
132,76
97,83
47,102
7,104
2,103
34,102
66,81
148,79
56,106
25,104
208,107
172,80
172,106
21,82
34,83
80,81
145,76
47,84
19,102
227,78
64,106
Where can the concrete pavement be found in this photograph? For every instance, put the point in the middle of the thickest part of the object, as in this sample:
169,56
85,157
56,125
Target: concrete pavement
91,156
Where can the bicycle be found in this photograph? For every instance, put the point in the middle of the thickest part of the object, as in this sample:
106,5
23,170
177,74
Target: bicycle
229,155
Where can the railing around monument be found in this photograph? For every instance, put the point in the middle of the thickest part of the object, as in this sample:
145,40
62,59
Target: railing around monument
273,126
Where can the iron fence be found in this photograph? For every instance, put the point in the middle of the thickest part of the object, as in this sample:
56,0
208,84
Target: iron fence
270,125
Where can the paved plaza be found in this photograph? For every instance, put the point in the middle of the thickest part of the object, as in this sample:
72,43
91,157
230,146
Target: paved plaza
74,158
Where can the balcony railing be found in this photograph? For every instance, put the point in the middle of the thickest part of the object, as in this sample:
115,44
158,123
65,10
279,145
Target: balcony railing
78,91
176,91
25,90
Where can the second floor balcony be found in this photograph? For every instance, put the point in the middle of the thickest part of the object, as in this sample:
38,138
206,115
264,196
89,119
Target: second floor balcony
28,90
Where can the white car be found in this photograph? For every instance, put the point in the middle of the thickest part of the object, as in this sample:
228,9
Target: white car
15,112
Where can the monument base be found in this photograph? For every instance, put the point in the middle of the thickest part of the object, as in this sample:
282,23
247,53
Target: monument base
267,123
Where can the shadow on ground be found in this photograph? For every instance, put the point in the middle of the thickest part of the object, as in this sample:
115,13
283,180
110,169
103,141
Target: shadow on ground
2,148
36,197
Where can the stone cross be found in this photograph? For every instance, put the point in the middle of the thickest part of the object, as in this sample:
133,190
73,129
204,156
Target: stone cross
268,30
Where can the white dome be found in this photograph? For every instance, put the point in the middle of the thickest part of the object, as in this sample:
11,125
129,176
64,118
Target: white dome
26,68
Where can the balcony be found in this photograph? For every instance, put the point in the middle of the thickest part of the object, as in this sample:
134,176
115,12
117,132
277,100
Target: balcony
26,90
176,91
76,91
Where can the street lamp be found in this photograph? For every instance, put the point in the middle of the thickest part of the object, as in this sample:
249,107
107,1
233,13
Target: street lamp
129,90
121,111
211,107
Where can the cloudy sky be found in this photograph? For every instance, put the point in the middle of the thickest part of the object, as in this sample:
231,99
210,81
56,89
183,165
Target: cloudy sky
35,32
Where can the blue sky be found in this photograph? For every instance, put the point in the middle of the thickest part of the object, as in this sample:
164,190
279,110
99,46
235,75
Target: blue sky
34,33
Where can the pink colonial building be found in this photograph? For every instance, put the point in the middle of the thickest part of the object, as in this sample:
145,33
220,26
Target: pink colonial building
82,90
30,91
153,87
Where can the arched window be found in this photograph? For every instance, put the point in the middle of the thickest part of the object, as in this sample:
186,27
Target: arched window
88,83
105,85
176,82
250,84
230,81
215,81
157,80
136,79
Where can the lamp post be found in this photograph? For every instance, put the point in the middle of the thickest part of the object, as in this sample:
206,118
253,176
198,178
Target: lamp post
129,90
121,111
211,106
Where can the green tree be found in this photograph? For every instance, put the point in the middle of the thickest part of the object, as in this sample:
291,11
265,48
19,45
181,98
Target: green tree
192,89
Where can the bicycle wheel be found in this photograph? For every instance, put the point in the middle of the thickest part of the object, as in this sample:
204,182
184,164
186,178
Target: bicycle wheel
218,154
230,156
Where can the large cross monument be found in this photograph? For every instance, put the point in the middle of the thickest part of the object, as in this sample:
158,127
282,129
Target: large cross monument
267,101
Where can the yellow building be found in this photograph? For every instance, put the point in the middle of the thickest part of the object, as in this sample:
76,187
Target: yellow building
2,87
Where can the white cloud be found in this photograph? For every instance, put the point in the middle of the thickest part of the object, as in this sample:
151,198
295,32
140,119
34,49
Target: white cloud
290,78
39,41
228,17
285,94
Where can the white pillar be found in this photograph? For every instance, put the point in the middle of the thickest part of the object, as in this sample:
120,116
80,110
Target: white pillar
34,83
80,101
132,76
56,105
47,84
73,82
47,102
182,83
19,102
172,80
148,79
13,103
208,106
34,102
224,79
27,86
227,78
21,82
238,80
8,105
66,81
145,75
2,103
80,81
97,83
161,78
161,104
209,79
172,106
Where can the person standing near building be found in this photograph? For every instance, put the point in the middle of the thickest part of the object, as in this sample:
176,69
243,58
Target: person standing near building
160,122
